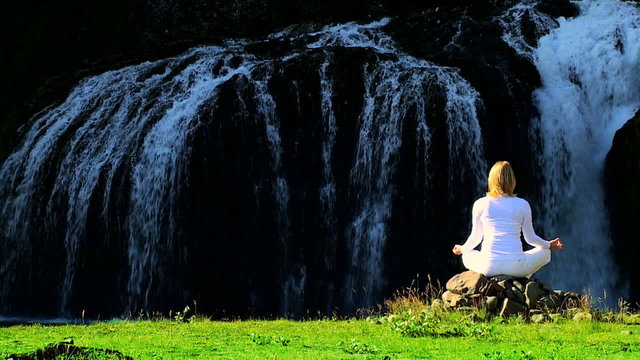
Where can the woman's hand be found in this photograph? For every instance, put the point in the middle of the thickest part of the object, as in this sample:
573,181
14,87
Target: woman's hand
457,249
555,244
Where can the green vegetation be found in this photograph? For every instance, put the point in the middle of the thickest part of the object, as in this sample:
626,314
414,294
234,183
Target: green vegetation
372,338
414,325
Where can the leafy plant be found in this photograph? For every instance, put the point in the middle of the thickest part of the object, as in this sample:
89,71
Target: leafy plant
356,347
515,355
183,317
266,340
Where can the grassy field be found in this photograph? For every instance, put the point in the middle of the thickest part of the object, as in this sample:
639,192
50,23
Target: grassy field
333,339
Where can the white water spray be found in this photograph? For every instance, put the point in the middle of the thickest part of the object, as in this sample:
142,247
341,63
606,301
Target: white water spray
590,70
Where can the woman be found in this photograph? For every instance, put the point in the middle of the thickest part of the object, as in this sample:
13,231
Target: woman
498,218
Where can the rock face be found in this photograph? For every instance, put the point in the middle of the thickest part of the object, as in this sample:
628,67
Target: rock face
506,295
622,176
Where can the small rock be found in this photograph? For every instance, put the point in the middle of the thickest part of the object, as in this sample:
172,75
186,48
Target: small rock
504,284
582,316
510,307
453,299
550,302
465,309
572,300
491,288
500,278
533,293
468,282
492,303
437,303
626,332
538,318
555,317
516,295
518,285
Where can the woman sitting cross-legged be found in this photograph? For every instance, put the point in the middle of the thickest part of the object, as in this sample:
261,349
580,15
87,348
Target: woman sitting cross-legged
498,219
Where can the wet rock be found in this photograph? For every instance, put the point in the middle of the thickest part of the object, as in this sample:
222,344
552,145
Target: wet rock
468,282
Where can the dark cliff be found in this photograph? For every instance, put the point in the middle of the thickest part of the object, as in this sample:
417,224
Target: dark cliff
622,176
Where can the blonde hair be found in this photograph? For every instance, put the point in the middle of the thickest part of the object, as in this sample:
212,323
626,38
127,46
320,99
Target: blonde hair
502,180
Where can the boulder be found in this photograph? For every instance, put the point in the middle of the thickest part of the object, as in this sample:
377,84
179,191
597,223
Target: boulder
468,282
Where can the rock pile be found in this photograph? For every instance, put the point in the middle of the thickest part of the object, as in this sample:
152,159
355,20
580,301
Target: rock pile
507,295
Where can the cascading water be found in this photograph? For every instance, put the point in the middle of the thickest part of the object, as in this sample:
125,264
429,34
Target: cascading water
590,70
102,124
123,140
392,89
511,23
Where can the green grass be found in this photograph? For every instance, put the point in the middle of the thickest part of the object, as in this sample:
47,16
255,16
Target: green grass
329,339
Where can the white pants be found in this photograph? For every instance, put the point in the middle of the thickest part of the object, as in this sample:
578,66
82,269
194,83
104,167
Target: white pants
530,262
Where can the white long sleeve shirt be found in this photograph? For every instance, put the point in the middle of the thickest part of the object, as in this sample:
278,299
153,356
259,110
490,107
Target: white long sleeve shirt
497,222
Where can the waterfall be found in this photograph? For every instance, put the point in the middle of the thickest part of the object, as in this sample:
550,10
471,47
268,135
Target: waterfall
142,114
122,141
590,70
392,89
328,190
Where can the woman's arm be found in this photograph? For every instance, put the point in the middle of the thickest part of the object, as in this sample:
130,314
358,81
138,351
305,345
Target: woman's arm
527,229
475,238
